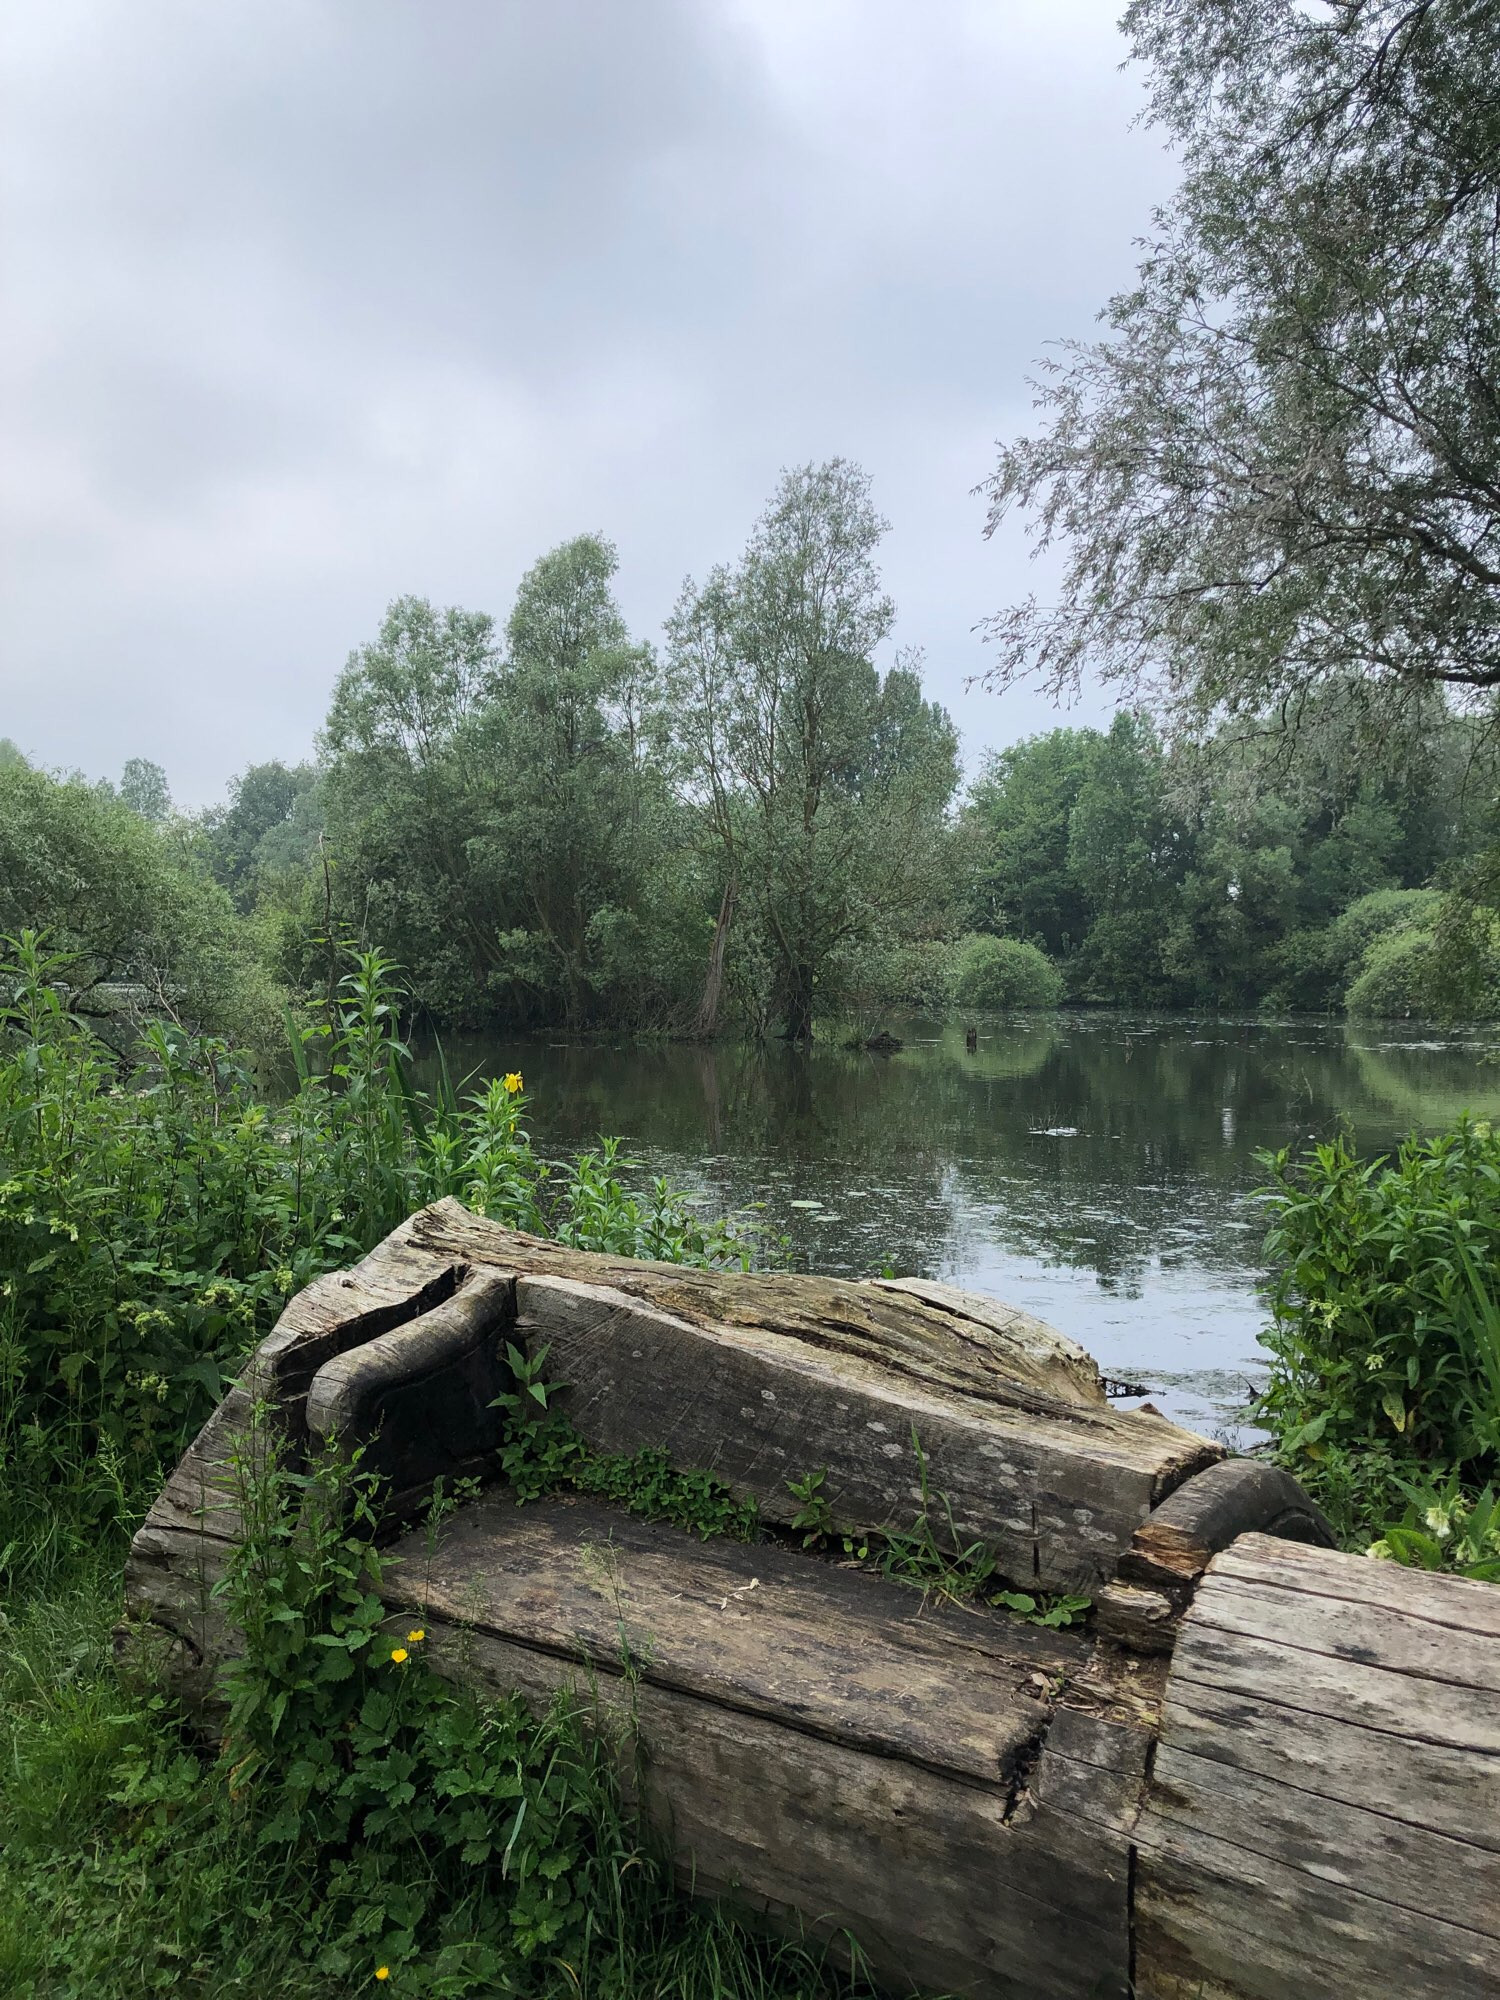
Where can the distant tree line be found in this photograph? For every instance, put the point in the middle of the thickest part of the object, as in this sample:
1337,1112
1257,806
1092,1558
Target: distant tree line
753,829
1244,871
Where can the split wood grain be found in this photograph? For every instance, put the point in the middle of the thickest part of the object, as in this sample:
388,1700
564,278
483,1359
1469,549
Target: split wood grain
1324,1808
834,1651
817,1739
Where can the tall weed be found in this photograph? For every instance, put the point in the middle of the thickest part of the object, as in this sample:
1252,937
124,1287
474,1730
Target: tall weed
1385,1335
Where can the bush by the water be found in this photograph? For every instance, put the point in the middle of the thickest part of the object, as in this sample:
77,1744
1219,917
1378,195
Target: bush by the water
1382,914
996,973
1395,978
1385,1335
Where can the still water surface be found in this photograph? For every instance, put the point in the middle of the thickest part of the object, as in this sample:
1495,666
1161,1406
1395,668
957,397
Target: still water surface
1097,1169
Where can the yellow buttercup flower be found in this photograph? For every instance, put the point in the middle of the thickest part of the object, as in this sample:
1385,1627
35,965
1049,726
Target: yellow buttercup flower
512,1081
416,1638
398,1657
382,1972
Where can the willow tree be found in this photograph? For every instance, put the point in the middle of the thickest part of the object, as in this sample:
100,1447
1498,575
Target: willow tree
824,783
1279,468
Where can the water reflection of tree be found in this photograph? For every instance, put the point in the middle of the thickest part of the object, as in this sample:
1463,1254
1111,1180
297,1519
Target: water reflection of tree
1102,1143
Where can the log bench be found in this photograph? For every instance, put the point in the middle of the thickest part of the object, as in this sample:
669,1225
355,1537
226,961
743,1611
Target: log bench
1262,1768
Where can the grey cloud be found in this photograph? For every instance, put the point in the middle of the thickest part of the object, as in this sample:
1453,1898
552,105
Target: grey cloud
309,304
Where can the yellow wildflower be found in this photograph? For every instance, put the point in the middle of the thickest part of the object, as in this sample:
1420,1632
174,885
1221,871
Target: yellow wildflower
398,1657
382,1972
512,1081
416,1637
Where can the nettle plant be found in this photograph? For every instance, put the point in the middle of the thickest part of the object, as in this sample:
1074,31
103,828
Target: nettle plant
156,1212
477,1843
1385,1335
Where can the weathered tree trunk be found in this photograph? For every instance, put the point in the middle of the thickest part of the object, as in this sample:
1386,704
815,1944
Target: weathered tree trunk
1264,1771
706,1025
798,1004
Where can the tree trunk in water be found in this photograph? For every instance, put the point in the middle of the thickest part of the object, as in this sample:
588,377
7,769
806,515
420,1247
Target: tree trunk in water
707,1022
799,1005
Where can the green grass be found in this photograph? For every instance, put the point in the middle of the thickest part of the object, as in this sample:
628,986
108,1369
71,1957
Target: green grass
128,1868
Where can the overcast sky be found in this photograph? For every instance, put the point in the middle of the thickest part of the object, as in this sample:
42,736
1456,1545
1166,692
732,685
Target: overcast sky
309,303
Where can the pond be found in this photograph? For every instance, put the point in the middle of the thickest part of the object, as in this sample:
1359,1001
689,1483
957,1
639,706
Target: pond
1098,1169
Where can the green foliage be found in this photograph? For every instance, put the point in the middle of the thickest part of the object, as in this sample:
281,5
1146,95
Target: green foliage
1445,1528
362,1814
472,1844
150,936
1017,825
1381,914
1444,962
143,787
823,786
265,834
541,1453
1385,1336
1242,871
1395,978
489,1850
155,1215
1271,475
996,973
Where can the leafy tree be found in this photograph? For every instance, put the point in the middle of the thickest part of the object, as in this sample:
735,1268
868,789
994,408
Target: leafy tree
267,827
143,787
1016,826
1127,852
150,931
825,784
10,754
497,816
405,788
1277,470
565,831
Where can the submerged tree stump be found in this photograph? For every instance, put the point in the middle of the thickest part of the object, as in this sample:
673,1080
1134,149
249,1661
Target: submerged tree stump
1253,1751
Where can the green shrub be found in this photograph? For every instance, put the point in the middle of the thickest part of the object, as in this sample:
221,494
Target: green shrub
1395,979
147,933
1446,1528
1385,1334
996,972
1351,934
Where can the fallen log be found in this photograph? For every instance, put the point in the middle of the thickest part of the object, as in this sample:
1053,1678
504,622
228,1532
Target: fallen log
1253,1733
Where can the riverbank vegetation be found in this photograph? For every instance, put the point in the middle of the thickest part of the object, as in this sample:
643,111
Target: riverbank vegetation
1384,1343
604,839
1273,479
359,1824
